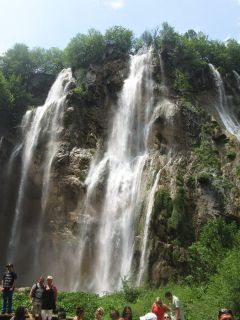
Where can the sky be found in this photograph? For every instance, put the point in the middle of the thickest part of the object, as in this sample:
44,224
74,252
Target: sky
53,23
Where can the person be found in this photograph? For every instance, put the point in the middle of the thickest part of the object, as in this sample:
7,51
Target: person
22,314
225,314
99,313
176,309
149,316
35,297
159,308
114,315
127,313
79,313
62,315
8,286
49,298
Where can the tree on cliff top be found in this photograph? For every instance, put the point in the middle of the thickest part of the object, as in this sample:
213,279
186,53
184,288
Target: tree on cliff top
85,49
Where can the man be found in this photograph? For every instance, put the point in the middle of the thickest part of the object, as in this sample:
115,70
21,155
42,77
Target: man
49,298
225,314
177,312
159,309
8,285
35,297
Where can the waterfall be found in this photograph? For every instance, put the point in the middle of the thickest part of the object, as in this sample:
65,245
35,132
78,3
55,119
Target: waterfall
41,124
229,121
144,257
1,140
163,77
237,76
114,184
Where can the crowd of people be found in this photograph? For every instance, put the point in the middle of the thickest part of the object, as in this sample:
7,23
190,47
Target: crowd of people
43,298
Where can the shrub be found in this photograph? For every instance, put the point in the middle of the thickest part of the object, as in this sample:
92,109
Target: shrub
130,293
216,238
231,155
204,178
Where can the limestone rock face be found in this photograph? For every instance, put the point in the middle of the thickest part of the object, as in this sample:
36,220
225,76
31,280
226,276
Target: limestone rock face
198,161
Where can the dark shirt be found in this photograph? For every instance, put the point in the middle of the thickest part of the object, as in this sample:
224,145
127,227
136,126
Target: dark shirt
8,279
48,299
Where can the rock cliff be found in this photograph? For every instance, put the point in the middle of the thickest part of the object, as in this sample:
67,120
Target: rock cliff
196,158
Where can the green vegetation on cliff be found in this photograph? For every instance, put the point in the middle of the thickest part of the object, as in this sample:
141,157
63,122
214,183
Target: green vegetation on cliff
186,57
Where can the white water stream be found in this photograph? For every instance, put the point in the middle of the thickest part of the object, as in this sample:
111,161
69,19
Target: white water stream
121,168
42,123
228,119
237,76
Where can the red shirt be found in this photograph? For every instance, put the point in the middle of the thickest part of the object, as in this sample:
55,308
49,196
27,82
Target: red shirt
159,311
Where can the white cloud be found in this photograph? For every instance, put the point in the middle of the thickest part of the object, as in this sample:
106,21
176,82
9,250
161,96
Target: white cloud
115,4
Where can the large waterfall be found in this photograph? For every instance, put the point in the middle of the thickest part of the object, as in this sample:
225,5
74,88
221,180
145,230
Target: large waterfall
39,126
108,221
114,212
227,117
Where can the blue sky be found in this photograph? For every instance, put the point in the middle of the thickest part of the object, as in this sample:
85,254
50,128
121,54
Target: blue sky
52,23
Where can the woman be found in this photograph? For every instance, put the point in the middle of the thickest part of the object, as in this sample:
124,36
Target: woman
22,314
159,309
99,313
79,313
127,313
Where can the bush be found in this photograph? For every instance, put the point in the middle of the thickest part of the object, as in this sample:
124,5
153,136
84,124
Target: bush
204,178
216,238
130,293
231,155
162,204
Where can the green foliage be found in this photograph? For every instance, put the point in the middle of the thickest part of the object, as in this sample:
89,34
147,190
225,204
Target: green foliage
17,61
6,97
130,293
180,224
147,38
47,61
85,49
231,155
162,204
191,183
226,282
168,38
120,39
206,153
181,83
69,302
216,238
204,178
178,214
238,171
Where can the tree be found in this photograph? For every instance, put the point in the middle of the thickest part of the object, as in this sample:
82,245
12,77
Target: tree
120,39
85,49
47,61
6,98
17,61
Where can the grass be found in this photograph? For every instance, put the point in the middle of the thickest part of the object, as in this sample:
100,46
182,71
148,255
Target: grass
192,299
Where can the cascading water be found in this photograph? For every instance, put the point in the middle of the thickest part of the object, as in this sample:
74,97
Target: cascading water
237,76
164,83
108,220
229,121
41,124
1,140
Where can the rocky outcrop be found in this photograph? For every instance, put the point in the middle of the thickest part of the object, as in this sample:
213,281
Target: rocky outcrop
199,180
